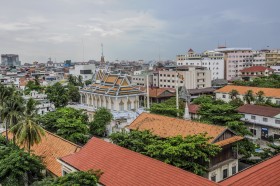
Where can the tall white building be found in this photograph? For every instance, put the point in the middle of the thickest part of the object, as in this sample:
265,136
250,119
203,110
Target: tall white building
212,60
85,70
190,76
236,59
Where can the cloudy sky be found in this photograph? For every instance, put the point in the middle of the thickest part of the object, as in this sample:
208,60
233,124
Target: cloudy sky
133,29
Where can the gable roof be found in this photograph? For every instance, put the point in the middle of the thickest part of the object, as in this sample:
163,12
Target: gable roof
121,166
256,69
259,110
164,126
264,173
52,147
268,92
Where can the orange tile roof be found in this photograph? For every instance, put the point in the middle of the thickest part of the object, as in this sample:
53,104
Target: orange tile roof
268,92
164,126
264,173
121,166
119,81
229,141
51,148
256,69
111,79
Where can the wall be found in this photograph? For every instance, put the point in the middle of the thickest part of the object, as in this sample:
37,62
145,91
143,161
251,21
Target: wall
219,171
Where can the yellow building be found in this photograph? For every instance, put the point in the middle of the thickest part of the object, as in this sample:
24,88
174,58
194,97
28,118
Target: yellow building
272,57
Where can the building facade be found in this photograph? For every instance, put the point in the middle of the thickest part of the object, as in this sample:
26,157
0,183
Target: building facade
236,59
191,77
85,70
213,61
10,60
272,57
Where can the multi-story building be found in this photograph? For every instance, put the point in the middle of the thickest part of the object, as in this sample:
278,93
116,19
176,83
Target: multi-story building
10,60
212,60
262,121
272,57
255,71
141,79
84,69
191,77
236,59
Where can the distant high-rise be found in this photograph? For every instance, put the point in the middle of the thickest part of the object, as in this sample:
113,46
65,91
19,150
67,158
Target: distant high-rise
10,60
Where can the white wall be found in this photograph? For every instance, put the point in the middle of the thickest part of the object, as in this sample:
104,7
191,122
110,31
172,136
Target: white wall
219,171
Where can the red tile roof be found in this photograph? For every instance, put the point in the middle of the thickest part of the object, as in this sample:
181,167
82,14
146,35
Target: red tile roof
164,126
193,108
265,173
259,110
121,166
156,92
256,69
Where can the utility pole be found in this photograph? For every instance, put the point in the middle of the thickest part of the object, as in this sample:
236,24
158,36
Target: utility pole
177,93
148,96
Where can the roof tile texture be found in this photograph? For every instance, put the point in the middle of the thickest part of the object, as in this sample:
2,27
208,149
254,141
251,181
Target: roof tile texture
256,69
121,166
268,92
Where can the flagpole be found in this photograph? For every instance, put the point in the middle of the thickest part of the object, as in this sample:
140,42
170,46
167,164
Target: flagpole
148,96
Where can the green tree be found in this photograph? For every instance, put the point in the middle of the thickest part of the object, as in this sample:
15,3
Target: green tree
191,153
168,108
73,93
72,80
80,80
58,95
18,167
249,97
203,99
233,94
260,99
272,81
78,178
88,82
28,132
102,118
67,122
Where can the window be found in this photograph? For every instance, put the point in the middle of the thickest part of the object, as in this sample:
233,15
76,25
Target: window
225,173
233,170
213,178
265,119
253,117
277,121
253,131
224,96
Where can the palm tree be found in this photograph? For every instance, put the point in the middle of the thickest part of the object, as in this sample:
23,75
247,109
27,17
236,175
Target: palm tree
260,97
11,112
28,132
80,80
249,96
233,94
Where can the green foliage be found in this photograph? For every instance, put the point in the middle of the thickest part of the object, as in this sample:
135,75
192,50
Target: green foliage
69,123
33,85
191,153
58,95
73,93
236,102
269,152
272,81
18,167
102,118
168,108
203,99
88,82
79,178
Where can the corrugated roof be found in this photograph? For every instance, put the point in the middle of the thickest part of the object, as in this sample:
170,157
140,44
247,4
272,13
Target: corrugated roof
121,166
268,92
264,173
259,110
164,126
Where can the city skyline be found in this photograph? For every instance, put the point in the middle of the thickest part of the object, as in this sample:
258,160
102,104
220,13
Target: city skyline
148,30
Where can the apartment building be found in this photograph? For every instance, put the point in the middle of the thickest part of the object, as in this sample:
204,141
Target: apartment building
84,69
190,76
262,121
236,59
212,60
272,57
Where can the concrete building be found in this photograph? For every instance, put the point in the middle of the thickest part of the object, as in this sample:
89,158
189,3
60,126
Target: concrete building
276,68
262,121
250,73
236,59
272,57
272,93
213,61
190,76
85,70
10,60
140,79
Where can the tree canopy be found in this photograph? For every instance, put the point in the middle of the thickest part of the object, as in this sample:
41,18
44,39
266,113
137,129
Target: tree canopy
57,94
102,118
191,153
68,123
272,81
168,108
